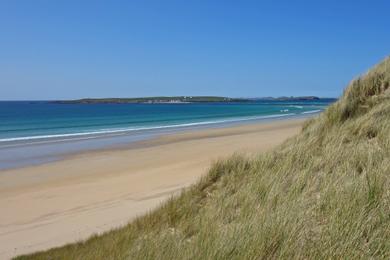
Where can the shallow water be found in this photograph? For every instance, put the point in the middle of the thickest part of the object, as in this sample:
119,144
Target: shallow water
38,132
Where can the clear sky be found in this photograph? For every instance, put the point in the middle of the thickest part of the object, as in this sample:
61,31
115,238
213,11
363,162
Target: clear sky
74,49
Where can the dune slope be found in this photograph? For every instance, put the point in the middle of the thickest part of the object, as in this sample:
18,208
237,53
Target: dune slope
322,194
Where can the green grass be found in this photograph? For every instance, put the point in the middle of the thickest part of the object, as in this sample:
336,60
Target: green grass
322,194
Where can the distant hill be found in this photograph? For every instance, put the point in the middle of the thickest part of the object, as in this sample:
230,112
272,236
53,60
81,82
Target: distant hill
173,99
180,99
324,194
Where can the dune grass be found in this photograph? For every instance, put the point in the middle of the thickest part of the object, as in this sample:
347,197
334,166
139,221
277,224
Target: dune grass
322,194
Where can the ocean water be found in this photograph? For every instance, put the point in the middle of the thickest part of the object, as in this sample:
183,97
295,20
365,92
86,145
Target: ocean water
36,132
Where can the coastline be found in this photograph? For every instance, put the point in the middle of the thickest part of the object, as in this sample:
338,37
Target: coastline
95,191
37,152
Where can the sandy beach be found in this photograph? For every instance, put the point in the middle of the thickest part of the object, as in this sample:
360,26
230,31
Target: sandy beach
69,200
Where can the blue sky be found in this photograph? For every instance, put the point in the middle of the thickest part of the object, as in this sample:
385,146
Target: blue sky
74,49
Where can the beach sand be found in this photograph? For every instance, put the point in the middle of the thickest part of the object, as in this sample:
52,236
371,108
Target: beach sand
69,200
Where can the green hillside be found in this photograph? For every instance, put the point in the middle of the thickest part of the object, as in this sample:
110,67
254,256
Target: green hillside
173,99
322,194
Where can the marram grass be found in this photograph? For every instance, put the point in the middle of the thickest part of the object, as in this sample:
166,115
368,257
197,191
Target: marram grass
322,194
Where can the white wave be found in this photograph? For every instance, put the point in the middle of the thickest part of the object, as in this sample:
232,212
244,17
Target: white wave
299,107
284,110
311,111
125,130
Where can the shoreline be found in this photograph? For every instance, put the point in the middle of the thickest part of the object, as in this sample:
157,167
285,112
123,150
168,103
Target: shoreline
93,192
22,155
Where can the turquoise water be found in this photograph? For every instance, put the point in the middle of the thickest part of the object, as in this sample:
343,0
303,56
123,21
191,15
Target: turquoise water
39,132
44,120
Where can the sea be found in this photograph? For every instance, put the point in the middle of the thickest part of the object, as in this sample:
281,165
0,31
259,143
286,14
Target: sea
35,132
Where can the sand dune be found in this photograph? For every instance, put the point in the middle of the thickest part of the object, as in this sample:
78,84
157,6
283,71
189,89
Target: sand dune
69,200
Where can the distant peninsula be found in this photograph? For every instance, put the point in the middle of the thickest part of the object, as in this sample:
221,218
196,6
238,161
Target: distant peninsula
148,100
180,99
